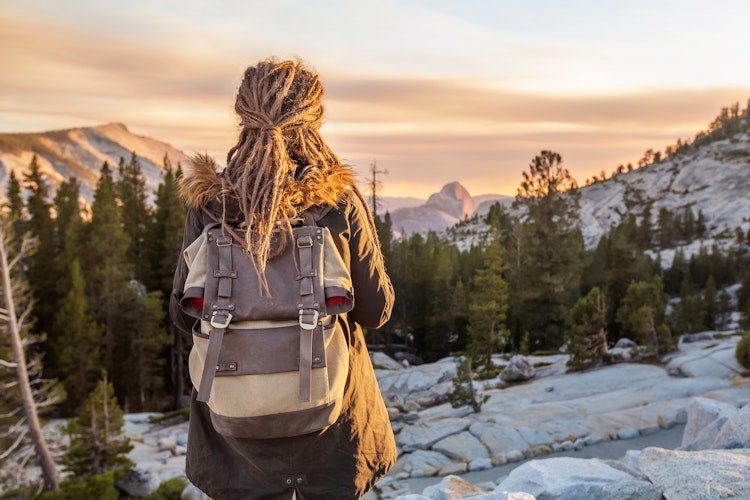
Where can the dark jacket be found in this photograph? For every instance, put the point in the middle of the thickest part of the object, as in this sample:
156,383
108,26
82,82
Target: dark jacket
341,462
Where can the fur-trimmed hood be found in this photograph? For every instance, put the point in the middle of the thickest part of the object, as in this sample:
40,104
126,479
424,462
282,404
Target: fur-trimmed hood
201,185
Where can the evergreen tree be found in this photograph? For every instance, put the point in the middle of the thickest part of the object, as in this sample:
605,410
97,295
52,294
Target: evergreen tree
710,303
165,230
627,264
687,316
149,340
131,191
642,316
14,204
78,345
463,393
41,272
743,294
68,227
667,233
96,442
164,242
723,309
487,306
551,247
107,274
586,335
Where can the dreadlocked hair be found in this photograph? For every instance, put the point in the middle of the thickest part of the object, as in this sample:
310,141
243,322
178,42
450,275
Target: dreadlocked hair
280,165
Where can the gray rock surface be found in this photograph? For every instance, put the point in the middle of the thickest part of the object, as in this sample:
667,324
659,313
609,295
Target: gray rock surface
703,475
706,419
567,478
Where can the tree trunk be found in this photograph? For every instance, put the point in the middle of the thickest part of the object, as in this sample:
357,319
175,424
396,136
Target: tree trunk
49,471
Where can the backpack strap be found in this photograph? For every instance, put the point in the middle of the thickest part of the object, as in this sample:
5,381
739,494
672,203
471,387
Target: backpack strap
309,311
221,314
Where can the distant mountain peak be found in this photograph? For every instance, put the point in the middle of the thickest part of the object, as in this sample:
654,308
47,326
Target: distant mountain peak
453,199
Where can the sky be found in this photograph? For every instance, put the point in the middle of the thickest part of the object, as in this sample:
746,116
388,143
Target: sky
432,91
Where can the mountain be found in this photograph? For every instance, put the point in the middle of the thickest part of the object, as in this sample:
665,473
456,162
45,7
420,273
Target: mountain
712,179
81,152
453,204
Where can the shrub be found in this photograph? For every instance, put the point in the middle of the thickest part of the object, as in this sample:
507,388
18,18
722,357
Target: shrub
171,489
742,352
99,486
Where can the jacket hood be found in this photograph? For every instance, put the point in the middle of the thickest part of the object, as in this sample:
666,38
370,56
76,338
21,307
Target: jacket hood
201,185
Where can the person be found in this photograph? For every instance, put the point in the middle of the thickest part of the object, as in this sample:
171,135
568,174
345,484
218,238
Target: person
280,166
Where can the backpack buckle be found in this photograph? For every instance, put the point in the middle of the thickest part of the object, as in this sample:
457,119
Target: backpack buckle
305,241
313,323
216,322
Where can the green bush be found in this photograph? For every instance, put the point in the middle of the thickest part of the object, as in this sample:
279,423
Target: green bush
99,486
742,352
171,489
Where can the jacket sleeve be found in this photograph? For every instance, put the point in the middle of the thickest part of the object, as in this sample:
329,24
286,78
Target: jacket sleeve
193,229
373,291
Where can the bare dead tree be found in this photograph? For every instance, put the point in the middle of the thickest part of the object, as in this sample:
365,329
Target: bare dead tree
28,423
374,186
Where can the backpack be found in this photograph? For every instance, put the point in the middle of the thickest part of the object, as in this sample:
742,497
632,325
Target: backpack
268,364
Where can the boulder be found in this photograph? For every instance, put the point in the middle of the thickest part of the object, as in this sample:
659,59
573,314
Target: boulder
138,482
735,433
625,343
704,474
705,418
451,488
566,478
423,463
519,369
381,360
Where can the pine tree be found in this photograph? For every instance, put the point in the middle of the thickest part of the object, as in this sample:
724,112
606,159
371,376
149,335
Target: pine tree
41,272
107,273
164,242
723,309
78,345
586,335
642,316
488,306
96,442
551,248
14,203
463,393
150,338
164,233
710,303
67,230
131,191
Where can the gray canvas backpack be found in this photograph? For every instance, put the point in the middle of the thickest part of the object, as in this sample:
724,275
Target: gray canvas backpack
268,364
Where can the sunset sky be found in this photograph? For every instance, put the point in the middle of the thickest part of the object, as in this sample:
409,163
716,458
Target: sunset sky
434,90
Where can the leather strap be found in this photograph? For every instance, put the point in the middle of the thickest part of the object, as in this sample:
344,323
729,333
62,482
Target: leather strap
221,312
308,314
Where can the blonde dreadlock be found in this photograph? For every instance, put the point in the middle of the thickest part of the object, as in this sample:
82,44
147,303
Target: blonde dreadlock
281,111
